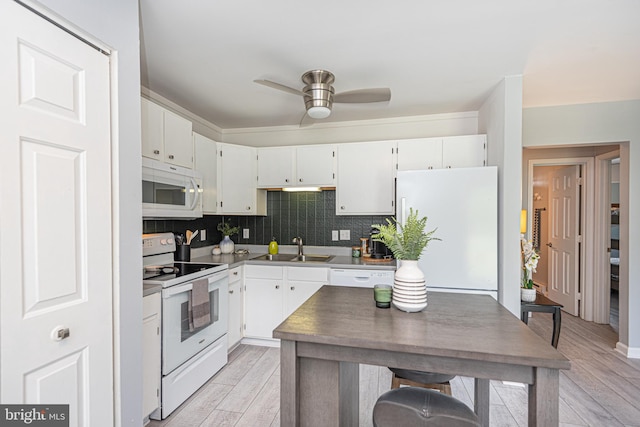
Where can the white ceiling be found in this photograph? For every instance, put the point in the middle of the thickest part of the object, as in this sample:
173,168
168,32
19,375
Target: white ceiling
436,56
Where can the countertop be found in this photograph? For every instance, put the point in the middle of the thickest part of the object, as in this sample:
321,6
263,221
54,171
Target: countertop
338,261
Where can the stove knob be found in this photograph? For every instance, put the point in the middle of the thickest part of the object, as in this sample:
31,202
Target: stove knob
163,241
170,241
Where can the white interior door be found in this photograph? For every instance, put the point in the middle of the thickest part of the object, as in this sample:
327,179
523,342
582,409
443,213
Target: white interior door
56,328
564,237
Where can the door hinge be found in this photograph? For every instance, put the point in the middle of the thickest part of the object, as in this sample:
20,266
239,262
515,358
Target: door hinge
334,175
220,153
334,153
579,238
244,326
579,180
157,392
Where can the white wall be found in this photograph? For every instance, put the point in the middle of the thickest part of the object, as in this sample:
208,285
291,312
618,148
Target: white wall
500,117
115,23
612,122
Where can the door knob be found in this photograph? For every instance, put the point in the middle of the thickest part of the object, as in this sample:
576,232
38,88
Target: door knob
59,333
550,244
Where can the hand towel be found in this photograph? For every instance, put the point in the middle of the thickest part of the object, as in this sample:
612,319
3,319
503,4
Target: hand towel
199,305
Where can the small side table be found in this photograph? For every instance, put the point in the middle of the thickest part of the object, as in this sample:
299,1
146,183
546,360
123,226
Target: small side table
544,305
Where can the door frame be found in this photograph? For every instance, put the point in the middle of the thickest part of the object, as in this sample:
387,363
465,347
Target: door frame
601,238
586,256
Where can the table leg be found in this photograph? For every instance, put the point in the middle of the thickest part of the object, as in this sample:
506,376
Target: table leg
557,322
544,398
289,384
524,316
481,400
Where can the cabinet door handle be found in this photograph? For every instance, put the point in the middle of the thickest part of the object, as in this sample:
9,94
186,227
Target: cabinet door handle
248,208
430,167
235,273
171,156
342,208
286,180
277,286
448,167
156,151
230,291
300,180
293,288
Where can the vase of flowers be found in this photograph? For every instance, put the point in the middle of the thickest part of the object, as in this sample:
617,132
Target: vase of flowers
226,245
529,263
407,242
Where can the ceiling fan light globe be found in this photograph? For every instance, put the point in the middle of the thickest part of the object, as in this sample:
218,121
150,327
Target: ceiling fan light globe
318,112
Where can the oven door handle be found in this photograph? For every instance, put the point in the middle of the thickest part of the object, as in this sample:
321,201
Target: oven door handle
178,289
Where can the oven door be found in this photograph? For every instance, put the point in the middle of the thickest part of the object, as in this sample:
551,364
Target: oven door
178,343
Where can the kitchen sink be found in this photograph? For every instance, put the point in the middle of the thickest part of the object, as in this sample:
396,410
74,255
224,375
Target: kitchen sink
293,258
276,257
312,258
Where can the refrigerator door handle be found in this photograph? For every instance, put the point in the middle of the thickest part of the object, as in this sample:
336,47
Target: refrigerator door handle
403,203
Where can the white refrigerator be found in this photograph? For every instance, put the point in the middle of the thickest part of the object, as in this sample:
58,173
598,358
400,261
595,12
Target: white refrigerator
463,205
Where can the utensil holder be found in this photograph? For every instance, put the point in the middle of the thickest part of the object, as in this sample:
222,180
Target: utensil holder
183,253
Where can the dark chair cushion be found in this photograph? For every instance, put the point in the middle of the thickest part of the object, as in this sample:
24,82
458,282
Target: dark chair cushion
414,406
421,376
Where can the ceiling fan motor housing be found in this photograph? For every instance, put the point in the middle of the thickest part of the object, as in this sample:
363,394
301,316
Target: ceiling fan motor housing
318,91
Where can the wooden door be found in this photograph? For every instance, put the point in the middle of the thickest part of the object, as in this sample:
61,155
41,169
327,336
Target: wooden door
56,252
564,232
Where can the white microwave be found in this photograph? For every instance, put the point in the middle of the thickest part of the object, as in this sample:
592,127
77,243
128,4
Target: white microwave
170,191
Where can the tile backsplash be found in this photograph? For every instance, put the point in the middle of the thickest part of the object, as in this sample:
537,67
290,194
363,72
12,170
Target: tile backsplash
310,215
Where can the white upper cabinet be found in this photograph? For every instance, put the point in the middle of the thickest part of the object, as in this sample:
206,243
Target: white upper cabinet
365,178
165,135
436,153
237,181
302,166
464,151
205,161
276,167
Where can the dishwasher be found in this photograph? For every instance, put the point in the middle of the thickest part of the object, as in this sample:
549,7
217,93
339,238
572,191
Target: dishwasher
360,278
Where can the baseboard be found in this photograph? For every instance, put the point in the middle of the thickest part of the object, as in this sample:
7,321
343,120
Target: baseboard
264,342
628,352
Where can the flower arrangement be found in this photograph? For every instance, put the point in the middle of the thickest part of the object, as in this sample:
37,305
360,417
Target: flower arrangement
226,229
529,262
405,242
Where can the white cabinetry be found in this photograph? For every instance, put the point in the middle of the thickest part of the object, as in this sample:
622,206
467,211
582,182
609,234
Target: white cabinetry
272,293
365,184
437,153
236,309
151,343
205,161
306,165
165,135
264,303
237,180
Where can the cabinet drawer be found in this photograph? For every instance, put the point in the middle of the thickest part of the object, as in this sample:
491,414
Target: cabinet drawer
235,275
263,272
310,274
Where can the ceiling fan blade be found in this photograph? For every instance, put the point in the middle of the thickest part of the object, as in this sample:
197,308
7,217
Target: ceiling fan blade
278,86
381,94
306,120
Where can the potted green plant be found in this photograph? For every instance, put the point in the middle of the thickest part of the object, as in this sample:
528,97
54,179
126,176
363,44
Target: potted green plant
226,245
406,242
529,263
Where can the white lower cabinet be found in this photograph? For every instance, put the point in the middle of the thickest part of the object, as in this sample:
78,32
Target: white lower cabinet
272,293
236,307
151,345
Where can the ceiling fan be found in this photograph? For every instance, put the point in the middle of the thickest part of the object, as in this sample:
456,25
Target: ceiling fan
319,95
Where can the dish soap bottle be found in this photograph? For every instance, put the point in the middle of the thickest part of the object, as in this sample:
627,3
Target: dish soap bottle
273,247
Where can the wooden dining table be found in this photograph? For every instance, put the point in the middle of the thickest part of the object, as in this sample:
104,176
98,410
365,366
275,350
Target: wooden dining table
324,341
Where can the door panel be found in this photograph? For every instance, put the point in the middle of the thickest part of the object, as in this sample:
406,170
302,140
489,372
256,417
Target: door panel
563,239
55,216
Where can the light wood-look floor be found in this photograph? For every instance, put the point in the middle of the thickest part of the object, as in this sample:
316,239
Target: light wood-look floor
601,389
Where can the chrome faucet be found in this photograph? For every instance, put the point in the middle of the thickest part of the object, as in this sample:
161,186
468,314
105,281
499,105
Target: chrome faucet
298,241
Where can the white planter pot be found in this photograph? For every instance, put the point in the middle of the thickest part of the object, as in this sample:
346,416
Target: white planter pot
527,295
409,289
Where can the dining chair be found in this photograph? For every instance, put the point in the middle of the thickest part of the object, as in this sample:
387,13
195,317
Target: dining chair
422,379
414,406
